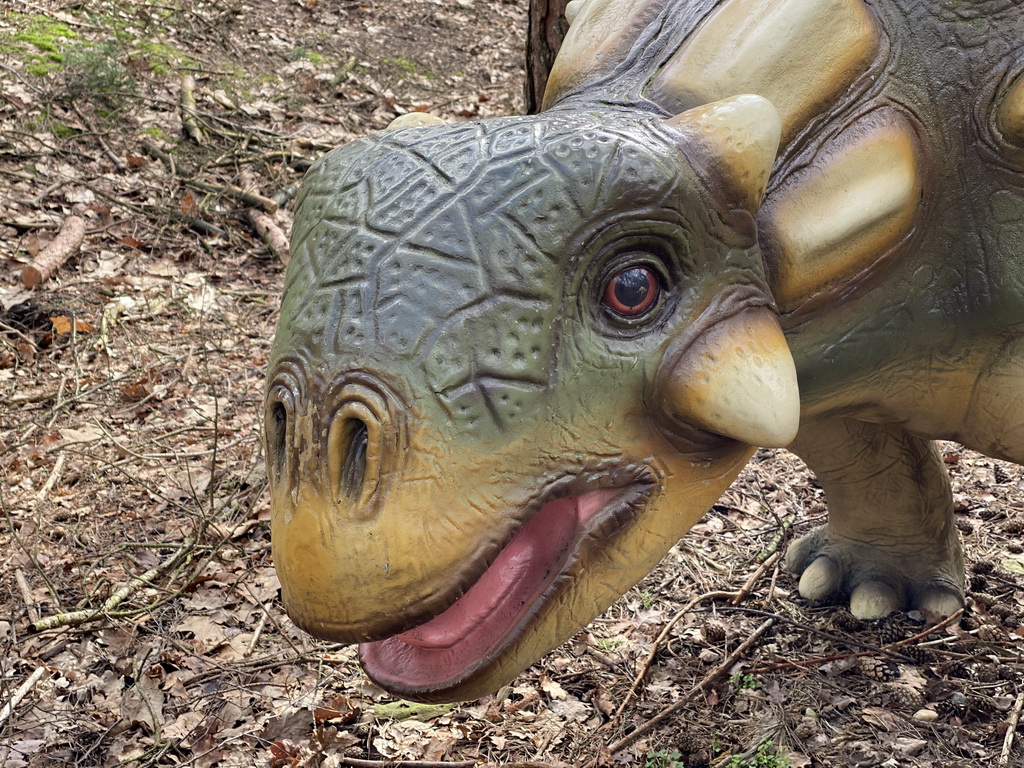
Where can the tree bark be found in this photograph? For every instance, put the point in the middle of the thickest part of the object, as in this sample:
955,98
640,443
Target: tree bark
544,33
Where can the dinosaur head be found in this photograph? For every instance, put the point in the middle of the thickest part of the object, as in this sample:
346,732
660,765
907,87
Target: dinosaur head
517,360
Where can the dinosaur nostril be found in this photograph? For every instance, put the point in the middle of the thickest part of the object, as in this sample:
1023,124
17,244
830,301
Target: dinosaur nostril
278,437
355,438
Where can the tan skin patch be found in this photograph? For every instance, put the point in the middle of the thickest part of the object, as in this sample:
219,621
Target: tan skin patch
851,206
602,32
799,55
1010,117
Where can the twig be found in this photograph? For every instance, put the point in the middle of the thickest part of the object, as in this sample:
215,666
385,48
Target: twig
21,693
61,248
702,686
166,158
26,595
200,226
748,587
188,110
51,480
890,649
656,646
249,198
80,617
773,546
257,632
1011,729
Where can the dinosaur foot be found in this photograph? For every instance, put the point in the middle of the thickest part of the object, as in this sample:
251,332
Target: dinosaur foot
878,578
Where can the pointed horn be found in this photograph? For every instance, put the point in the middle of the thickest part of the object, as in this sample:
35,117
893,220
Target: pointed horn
414,120
740,136
737,380
572,9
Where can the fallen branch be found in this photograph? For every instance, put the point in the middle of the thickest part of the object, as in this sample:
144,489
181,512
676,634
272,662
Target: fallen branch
1011,730
166,158
188,110
748,586
21,693
200,226
226,190
26,595
81,617
272,235
711,677
773,546
61,248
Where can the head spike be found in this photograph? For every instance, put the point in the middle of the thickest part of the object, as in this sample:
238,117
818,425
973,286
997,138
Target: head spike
738,380
740,136
414,120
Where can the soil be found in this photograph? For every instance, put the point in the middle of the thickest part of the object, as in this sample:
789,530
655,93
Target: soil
139,614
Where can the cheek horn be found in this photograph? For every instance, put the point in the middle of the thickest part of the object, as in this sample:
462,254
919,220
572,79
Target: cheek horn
414,120
738,379
737,140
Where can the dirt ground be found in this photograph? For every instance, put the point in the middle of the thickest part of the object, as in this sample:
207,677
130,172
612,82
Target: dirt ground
139,616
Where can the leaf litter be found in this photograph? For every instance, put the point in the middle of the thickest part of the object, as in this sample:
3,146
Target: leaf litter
139,614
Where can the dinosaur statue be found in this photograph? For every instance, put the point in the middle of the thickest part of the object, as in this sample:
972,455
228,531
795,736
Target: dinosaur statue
519,358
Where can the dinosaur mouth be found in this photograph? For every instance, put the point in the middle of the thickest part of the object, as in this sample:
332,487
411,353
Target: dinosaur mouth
528,572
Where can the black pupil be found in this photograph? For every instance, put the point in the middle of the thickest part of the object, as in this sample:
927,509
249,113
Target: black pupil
632,287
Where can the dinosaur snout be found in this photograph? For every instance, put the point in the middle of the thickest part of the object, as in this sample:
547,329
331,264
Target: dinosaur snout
336,442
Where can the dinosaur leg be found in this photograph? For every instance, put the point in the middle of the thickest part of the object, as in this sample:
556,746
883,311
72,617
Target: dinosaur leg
994,421
890,541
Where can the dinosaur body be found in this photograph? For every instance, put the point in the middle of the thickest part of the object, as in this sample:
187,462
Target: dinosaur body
519,358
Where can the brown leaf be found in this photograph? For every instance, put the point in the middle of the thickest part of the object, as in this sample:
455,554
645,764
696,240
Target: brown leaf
63,325
189,204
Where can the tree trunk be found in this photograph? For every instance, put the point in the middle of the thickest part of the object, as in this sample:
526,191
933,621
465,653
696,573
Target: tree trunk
545,30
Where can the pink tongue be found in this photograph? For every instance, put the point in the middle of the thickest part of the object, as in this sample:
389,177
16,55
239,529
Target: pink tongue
515,579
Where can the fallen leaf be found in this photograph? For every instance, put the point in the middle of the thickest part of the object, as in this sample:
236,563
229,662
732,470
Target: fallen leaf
63,325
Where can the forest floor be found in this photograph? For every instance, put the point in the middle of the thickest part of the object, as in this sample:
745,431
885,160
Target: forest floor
139,615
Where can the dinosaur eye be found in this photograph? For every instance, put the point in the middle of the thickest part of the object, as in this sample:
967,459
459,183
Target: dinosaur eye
632,292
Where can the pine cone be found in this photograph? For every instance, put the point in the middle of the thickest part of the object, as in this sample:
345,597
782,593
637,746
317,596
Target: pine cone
882,670
713,631
986,673
890,632
1002,610
990,633
955,669
687,743
1014,527
806,728
917,653
964,645
903,697
985,599
969,623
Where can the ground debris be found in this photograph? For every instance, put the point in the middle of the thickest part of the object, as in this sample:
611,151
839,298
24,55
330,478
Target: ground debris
139,616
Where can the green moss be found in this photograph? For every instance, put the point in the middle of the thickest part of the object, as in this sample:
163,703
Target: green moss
42,33
313,57
62,131
409,67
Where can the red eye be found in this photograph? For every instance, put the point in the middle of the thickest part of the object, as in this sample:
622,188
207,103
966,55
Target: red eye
632,291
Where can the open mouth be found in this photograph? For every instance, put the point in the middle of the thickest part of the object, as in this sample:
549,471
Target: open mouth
450,648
